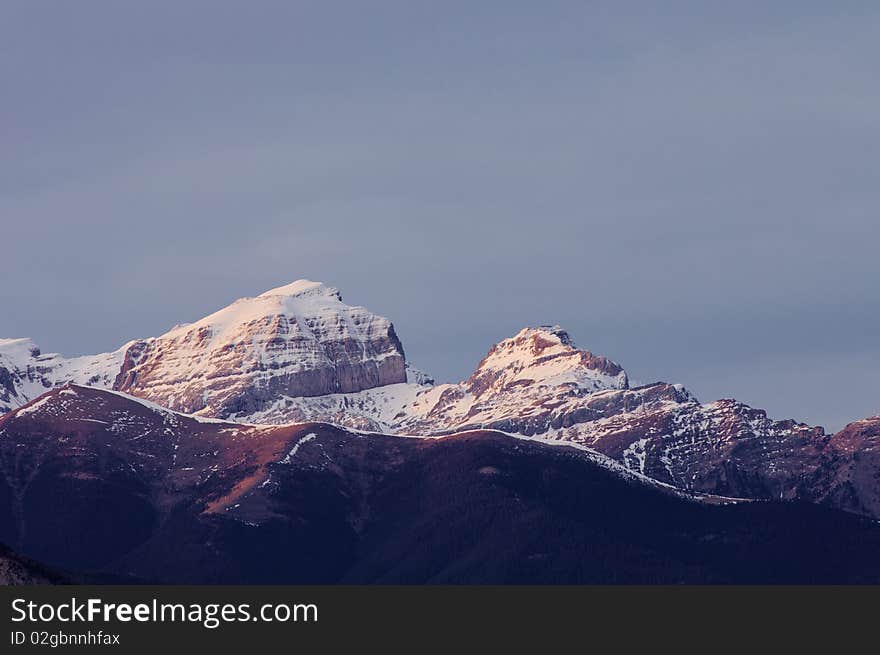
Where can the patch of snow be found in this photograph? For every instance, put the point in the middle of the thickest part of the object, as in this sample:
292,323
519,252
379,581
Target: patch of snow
296,447
31,409
378,408
634,456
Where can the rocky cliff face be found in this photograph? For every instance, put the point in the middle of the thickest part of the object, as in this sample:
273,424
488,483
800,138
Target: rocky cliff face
296,341
300,340
848,474
724,447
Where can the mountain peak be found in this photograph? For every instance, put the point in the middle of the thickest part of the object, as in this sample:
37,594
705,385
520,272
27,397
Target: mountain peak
303,288
557,332
542,336
296,340
299,298
547,355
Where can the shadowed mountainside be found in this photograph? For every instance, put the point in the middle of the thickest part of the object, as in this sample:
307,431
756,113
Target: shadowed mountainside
101,484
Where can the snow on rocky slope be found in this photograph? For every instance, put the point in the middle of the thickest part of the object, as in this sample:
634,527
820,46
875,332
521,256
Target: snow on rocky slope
518,387
298,340
25,372
298,353
539,384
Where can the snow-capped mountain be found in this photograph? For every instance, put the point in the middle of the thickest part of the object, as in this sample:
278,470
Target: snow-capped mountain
539,384
298,340
523,385
298,354
513,389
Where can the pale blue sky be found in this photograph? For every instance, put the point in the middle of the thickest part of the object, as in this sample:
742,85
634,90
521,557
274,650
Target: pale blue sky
689,188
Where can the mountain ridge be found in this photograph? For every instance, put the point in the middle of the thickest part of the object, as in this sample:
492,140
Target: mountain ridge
110,487
297,353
